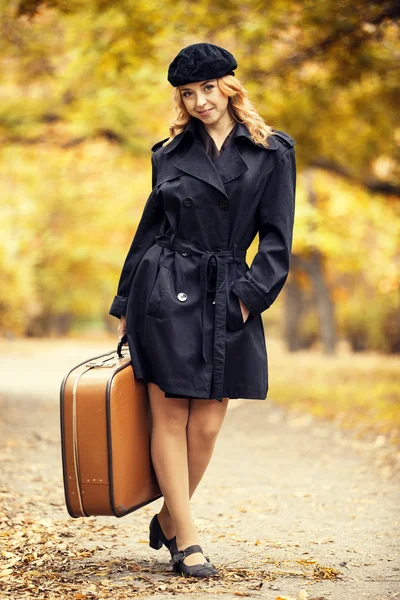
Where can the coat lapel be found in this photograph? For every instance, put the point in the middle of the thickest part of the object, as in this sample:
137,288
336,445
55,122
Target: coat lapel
230,164
197,163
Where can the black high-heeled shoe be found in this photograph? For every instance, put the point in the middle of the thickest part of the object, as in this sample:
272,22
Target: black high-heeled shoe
157,537
201,570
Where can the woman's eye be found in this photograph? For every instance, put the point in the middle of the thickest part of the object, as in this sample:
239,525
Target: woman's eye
209,87
186,94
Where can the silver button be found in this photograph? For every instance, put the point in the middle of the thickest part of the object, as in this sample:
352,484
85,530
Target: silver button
182,297
213,301
184,254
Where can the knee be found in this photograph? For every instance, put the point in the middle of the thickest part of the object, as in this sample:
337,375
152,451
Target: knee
171,422
174,424
204,433
169,415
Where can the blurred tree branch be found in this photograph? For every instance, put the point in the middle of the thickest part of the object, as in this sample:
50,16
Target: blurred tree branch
373,185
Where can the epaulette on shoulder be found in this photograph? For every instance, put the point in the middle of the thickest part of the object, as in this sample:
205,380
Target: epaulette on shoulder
284,137
158,145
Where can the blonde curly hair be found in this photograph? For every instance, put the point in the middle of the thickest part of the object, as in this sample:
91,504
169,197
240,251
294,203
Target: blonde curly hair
240,107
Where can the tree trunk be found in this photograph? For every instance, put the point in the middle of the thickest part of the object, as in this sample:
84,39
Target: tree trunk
294,308
315,269
325,306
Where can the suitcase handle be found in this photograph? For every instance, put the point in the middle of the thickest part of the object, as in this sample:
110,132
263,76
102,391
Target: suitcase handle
122,341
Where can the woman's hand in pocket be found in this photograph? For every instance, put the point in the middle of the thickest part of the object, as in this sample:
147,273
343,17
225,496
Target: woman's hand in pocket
122,326
245,311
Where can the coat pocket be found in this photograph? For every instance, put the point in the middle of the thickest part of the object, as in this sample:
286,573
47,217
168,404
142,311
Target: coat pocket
160,286
234,317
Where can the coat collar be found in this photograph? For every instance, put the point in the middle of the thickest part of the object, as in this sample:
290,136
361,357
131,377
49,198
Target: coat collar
197,163
240,132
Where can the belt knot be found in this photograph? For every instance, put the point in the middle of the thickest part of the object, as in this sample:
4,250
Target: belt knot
220,258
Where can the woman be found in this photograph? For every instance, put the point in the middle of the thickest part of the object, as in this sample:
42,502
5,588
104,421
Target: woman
187,300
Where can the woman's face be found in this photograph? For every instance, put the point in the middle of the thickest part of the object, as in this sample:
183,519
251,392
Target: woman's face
204,101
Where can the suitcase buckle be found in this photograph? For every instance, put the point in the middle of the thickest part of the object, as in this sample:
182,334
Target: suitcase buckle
99,365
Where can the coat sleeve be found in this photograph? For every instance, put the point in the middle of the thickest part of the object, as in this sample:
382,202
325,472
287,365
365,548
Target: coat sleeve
149,226
262,282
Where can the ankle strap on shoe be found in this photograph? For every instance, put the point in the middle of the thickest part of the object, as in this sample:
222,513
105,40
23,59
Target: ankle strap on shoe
181,554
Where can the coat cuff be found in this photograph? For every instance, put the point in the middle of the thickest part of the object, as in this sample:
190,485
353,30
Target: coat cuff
118,307
250,296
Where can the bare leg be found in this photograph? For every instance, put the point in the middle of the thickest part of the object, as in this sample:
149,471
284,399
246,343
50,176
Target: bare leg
170,459
204,423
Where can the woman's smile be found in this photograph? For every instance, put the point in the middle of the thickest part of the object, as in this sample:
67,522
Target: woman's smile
204,113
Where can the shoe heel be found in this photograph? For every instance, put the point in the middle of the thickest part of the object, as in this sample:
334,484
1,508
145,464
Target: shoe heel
155,542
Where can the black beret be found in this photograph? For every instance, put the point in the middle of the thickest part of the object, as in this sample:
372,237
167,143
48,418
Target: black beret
199,62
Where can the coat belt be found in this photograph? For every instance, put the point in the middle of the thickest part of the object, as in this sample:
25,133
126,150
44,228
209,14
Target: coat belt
209,257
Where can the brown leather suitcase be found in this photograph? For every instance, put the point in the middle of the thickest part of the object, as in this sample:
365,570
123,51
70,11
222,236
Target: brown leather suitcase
105,438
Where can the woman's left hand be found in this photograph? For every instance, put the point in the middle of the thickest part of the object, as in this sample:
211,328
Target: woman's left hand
245,311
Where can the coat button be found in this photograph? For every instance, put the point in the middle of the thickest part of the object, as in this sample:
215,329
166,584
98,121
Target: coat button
184,253
224,204
182,297
188,202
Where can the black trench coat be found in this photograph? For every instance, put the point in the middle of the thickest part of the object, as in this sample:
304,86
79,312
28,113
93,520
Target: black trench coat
185,271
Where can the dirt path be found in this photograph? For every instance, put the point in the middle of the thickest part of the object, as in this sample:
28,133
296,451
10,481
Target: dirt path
289,507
